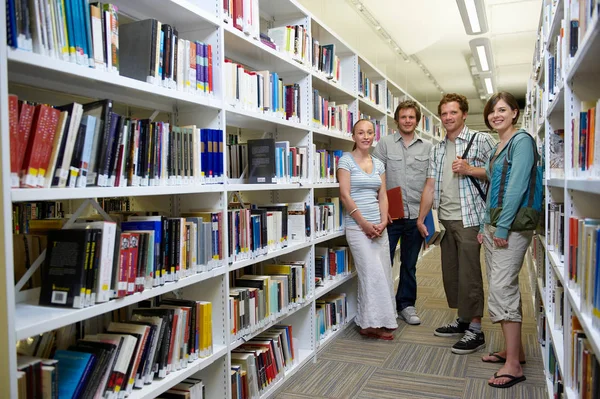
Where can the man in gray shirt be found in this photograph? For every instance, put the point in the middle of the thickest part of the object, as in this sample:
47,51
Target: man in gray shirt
406,159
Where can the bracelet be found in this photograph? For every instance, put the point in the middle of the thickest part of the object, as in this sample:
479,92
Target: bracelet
352,211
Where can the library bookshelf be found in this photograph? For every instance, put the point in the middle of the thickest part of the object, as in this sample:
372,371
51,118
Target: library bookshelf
562,108
41,78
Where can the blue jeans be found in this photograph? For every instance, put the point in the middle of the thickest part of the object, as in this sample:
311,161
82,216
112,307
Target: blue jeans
410,245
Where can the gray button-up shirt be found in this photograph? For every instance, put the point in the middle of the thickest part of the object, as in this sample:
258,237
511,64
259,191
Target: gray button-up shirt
405,167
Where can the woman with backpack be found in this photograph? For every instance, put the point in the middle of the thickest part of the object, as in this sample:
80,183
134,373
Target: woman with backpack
512,211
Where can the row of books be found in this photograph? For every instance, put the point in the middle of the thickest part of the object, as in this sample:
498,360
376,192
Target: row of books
153,52
262,361
556,144
553,372
556,63
90,145
243,15
258,299
328,216
585,369
72,30
261,91
392,101
377,124
331,313
325,165
586,140
331,262
328,115
268,161
294,41
111,363
584,264
582,13
326,61
90,34
89,262
556,228
27,216
369,89
260,229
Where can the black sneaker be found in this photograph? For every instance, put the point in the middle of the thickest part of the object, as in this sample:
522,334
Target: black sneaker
470,342
451,329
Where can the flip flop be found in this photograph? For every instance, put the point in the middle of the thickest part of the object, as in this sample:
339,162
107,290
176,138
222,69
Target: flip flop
512,380
500,359
376,336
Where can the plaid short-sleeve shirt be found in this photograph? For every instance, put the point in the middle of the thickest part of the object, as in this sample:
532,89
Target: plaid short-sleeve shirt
471,204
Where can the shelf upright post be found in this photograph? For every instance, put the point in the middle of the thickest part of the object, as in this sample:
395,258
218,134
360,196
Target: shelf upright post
8,355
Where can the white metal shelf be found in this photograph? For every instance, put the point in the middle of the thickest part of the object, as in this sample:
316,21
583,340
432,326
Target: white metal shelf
556,109
45,194
252,52
327,339
159,386
32,319
557,337
558,266
284,251
277,320
267,187
554,28
592,333
325,185
36,70
334,89
239,117
586,186
333,283
304,356
583,70
183,14
335,134
555,182
369,107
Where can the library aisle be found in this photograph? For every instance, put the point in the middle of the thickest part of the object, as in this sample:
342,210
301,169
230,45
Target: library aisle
417,364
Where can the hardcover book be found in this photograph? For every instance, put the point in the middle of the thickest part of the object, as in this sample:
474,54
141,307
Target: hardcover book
395,203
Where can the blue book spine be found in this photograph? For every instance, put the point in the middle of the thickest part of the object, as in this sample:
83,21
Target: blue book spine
11,24
88,32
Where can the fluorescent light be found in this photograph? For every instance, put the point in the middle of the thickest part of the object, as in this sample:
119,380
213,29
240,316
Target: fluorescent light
473,15
481,48
483,58
473,18
488,85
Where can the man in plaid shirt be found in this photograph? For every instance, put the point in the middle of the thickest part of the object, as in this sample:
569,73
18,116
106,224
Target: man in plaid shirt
451,190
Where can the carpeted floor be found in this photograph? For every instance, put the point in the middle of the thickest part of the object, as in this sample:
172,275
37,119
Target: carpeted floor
417,364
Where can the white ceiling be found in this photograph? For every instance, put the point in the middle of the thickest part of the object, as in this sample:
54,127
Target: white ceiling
433,31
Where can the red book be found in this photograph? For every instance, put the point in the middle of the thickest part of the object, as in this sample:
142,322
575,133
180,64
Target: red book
13,124
238,14
46,154
35,146
395,203
210,68
132,263
122,273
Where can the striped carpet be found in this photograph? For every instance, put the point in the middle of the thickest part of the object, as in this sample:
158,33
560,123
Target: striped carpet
417,364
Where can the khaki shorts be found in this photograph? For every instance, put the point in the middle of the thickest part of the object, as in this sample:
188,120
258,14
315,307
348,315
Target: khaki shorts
503,266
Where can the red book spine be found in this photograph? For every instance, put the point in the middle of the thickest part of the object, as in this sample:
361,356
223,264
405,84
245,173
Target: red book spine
123,266
33,152
46,154
134,239
238,14
13,123
210,68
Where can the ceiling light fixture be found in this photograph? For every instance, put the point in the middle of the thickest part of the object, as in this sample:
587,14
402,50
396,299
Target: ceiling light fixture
482,53
473,15
488,84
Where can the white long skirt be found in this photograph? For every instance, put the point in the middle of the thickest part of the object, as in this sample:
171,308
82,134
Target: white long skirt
376,299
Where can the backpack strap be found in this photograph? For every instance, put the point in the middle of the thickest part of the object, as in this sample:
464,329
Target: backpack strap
474,180
532,180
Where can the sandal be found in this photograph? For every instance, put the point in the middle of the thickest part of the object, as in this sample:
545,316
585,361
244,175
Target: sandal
500,359
512,380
